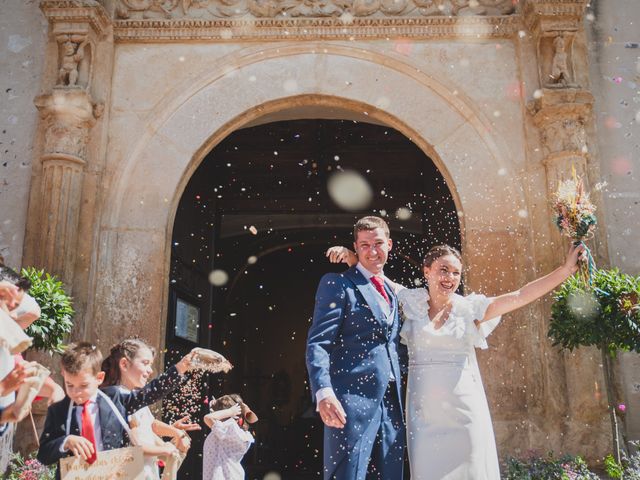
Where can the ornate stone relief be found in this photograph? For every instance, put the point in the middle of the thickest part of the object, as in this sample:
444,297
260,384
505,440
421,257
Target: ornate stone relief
564,135
556,60
68,116
561,116
203,9
270,29
73,60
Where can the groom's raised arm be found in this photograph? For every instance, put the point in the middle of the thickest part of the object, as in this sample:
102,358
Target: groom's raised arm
325,328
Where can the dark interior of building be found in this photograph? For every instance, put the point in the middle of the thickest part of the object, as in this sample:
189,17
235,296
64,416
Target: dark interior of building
257,212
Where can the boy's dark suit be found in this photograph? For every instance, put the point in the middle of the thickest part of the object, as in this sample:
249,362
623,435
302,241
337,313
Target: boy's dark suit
113,434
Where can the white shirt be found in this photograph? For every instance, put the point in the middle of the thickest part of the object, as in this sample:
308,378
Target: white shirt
95,419
326,392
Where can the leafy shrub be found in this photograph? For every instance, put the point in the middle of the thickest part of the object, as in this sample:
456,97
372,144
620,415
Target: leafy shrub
605,315
56,319
629,468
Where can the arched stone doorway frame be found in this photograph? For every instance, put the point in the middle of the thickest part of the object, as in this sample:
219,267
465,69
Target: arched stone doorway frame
136,222
448,141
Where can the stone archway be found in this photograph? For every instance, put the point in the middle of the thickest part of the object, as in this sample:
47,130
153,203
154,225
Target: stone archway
169,143
154,156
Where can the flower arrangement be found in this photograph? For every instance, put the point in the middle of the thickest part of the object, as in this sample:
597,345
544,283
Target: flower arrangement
575,217
536,467
29,468
575,214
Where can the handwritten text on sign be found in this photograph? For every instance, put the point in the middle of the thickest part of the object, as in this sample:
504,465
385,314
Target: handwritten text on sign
119,464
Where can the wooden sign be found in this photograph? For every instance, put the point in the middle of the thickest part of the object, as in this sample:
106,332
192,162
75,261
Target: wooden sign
119,464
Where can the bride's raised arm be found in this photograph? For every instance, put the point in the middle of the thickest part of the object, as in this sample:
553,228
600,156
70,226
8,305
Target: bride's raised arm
532,291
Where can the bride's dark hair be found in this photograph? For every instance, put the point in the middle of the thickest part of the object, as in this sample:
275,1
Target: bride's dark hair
439,251
128,349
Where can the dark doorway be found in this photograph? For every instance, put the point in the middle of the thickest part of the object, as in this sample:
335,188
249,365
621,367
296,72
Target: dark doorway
257,210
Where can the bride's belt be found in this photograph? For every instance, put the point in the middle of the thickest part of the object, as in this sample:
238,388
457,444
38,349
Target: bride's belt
453,360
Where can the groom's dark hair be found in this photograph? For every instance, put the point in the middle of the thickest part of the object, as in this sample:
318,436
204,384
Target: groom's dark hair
370,223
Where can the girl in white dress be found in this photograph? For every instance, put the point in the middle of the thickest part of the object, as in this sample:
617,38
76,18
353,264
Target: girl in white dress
129,366
449,430
229,439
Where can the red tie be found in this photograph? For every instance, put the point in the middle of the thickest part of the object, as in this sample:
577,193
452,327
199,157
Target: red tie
88,432
379,284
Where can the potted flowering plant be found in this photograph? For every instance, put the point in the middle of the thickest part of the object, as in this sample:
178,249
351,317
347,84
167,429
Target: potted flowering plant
29,468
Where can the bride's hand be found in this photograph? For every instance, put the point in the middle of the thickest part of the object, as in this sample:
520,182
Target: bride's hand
576,254
339,254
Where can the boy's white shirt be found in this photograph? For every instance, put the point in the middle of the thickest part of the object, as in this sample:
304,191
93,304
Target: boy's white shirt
93,412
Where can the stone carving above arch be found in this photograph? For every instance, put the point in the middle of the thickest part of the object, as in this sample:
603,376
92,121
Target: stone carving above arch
325,28
307,8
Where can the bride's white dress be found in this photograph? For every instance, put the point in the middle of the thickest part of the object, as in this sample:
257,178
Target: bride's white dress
450,436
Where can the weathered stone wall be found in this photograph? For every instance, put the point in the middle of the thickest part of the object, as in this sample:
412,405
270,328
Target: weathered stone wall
23,32
614,50
158,98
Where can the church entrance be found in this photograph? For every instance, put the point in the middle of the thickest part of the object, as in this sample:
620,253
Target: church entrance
248,250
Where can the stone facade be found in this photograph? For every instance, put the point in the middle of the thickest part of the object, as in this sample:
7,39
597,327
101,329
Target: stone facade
498,96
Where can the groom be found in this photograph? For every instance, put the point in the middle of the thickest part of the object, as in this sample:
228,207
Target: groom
354,364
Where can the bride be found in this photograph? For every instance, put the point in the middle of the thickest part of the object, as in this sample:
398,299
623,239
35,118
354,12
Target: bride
450,435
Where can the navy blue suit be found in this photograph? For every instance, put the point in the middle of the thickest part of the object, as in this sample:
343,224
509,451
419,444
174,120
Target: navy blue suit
113,434
353,346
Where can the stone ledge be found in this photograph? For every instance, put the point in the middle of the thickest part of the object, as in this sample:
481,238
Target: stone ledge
140,31
77,13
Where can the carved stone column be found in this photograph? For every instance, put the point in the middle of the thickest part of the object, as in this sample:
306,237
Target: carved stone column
562,111
561,116
68,115
562,107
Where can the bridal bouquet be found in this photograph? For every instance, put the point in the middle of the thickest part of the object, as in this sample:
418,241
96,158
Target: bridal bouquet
574,211
575,217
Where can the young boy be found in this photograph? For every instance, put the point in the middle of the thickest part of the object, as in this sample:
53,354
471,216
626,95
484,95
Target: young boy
84,422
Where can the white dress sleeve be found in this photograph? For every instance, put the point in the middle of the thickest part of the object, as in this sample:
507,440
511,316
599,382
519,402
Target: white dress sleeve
414,306
479,304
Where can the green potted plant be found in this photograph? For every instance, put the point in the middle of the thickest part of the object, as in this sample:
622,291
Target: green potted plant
56,318
604,313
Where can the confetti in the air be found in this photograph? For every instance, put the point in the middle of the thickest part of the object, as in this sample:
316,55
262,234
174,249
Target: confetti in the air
218,278
349,190
584,305
403,213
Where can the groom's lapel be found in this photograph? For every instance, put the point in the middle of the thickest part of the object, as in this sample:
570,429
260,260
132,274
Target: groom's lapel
394,300
368,291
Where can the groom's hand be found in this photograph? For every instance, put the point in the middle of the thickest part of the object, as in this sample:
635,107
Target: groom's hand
332,413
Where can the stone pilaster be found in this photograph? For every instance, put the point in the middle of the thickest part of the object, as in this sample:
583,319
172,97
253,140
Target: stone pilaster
67,116
561,116
562,112
68,112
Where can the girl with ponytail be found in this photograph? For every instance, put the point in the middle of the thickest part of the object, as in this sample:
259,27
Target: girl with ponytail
129,366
